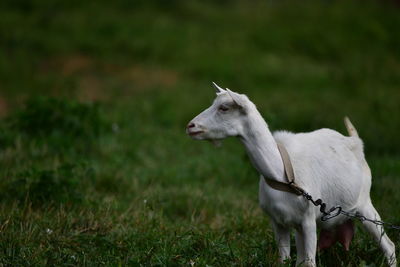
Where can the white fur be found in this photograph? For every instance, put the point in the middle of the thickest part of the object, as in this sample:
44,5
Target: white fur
327,165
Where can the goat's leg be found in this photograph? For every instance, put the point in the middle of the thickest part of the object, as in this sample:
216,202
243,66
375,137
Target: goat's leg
378,233
282,237
306,243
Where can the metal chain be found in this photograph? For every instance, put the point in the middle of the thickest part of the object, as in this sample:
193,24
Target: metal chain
336,210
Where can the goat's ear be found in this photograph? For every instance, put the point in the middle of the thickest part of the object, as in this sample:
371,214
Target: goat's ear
218,89
236,98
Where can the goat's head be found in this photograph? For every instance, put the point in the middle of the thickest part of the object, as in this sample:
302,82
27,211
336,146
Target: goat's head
225,117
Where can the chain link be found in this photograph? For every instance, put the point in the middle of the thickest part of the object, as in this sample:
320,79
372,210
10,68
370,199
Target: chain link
336,210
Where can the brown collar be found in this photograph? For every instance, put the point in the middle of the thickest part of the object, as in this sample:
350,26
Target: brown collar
290,186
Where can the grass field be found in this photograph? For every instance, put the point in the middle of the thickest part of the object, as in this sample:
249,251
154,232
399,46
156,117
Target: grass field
95,165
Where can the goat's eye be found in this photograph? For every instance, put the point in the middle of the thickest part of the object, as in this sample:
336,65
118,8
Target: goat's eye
223,108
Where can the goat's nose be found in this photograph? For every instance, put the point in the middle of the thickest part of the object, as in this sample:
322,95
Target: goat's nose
190,125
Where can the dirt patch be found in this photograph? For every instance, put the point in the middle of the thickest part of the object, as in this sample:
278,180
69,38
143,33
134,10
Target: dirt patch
146,77
84,72
76,64
67,66
90,89
94,79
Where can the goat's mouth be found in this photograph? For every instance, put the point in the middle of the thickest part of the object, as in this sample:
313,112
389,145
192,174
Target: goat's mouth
195,133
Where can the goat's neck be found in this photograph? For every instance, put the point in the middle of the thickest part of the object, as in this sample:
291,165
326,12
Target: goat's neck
262,148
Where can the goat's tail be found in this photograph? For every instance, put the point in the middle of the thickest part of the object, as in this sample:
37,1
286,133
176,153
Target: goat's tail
350,127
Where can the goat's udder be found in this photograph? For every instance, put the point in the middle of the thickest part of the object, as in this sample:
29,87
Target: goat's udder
343,234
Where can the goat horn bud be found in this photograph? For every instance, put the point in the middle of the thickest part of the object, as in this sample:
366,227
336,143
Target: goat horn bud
217,88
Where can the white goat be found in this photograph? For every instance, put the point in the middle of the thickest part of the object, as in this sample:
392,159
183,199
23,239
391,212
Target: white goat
326,164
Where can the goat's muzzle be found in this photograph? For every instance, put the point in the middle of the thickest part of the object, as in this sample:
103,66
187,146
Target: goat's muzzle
193,130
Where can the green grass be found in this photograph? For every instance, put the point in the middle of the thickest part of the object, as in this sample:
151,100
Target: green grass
95,166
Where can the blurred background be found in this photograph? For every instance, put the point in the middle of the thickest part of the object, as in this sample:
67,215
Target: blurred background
95,165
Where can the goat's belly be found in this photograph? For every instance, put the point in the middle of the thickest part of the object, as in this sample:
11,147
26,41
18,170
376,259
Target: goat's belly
333,222
290,210
340,186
